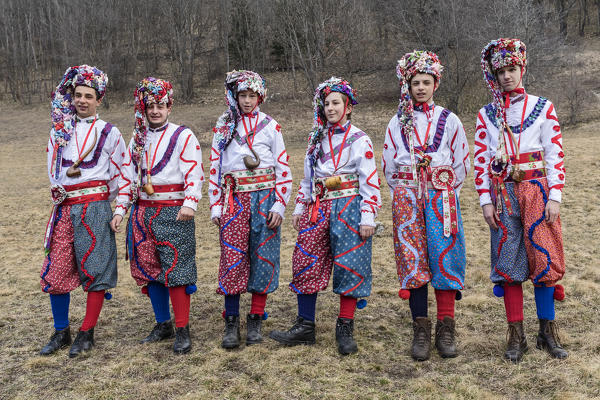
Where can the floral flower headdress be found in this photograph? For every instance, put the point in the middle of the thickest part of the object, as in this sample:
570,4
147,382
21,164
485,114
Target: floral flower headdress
148,91
498,54
62,107
417,62
236,81
332,84
495,55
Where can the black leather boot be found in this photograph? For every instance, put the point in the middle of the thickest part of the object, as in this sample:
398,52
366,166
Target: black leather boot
444,337
231,336
161,331
83,342
344,329
516,342
253,325
421,344
302,332
183,342
58,340
548,338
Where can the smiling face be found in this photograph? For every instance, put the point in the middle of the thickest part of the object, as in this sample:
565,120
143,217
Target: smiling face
247,100
157,114
86,101
422,87
334,105
509,77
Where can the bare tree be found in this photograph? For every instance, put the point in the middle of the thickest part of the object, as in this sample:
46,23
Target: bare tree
186,24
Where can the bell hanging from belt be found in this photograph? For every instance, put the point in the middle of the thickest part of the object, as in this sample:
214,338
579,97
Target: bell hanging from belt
333,183
74,171
252,163
517,174
148,188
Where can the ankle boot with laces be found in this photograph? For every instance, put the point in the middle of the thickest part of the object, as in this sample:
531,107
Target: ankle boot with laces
344,330
421,339
444,337
516,342
548,339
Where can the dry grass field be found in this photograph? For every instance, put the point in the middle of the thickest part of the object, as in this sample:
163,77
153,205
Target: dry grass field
119,367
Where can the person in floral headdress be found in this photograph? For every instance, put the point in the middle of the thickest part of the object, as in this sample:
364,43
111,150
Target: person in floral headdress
250,185
519,175
85,154
425,162
335,212
161,179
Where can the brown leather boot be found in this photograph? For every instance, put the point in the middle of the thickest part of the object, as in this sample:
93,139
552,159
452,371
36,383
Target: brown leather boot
516,342
548,338
444,337
421,339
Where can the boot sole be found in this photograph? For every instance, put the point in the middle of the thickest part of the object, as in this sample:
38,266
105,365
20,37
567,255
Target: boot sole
230,346
73,355
251,342
542,345
293,342
182,351
55,350
518,359
347,353
144,341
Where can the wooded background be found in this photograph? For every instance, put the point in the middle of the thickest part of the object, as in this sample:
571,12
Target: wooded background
194,42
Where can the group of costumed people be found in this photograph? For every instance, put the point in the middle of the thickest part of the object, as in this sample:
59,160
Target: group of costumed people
158,178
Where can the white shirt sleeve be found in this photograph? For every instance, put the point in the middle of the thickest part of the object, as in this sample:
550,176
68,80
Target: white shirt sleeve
368,180
553,154
283,173
191,168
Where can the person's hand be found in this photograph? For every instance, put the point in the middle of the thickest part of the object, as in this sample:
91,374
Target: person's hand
116,222
185,214
552,211
491,215
274,220
216,221
296,222
366,231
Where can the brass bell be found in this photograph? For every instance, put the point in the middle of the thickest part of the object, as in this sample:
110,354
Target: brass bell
333,182
252,163
147,187
73,171
517,174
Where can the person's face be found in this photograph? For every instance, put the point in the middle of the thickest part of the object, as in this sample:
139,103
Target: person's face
422,87
334,106
509,77
247,100
85,101
157,114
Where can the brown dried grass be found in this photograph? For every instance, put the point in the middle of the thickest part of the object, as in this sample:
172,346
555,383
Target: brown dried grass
121,368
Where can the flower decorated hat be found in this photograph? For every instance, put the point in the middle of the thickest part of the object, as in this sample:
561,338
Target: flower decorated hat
332,84
417,62
62,106
237,81
148,91
498,54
